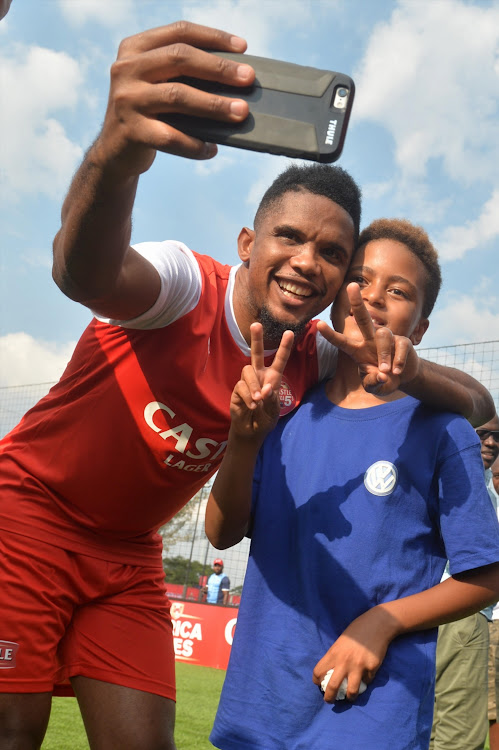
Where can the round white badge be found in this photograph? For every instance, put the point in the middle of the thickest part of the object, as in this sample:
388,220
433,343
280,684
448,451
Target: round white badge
381,478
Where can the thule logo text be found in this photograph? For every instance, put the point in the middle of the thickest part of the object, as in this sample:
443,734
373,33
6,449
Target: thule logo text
331,128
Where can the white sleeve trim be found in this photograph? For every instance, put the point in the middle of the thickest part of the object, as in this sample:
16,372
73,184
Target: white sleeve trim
181,285
327,356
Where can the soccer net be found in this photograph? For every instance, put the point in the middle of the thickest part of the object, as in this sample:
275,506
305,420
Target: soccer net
188,556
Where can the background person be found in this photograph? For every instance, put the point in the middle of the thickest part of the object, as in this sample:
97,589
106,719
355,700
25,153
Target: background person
493,672
494,469
218,585
462,699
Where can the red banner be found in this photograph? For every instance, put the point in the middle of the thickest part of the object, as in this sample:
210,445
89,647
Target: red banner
202,633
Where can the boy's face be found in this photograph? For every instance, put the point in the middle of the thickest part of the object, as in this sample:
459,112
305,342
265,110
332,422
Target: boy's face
392,282
296,261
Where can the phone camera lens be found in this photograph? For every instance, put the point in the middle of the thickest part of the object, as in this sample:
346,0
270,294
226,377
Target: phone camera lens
342,93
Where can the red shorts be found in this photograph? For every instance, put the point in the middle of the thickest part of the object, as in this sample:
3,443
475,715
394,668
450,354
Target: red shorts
65,614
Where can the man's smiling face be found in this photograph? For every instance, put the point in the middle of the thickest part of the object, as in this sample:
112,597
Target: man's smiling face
296,261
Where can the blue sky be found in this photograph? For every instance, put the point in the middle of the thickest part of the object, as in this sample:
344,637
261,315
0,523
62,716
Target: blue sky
423,143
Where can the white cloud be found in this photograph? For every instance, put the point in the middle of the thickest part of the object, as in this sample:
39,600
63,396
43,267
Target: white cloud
37,258
455,241
213,166
28,360
109,13
271,167
255,22
430,76
37,155
463,320
376,190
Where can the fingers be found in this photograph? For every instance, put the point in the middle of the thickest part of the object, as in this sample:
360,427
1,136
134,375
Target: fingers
169,140
336,685
244,395
170,52
269,375
403,346
336,339
360,312
281,357
257,349
251,379
144,84
384,346
178,98
377,383
393,353
176,60
182,31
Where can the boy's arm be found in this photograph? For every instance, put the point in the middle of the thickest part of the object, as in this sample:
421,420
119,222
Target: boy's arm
254,410
361,648
229,504
450,389
93,262
388,363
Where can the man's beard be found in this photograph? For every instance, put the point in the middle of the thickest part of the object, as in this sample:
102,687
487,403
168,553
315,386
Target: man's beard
274,328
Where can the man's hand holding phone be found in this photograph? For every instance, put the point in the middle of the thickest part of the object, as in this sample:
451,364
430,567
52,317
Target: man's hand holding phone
144,85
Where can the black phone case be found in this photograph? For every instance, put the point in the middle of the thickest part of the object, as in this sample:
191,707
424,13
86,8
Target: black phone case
292,111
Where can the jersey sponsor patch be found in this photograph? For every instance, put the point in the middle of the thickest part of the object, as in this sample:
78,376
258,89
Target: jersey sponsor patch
287,398
381,478
8,651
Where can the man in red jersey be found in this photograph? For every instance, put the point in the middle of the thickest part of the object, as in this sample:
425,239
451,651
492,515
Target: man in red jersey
139,420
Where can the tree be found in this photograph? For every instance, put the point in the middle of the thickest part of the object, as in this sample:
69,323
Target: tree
179,528
183,527
182,570
184,524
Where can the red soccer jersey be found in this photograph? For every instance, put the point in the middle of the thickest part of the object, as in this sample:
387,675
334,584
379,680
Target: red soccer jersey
134,428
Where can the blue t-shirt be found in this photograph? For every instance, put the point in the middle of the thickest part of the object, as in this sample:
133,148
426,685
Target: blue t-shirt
351,508
217,584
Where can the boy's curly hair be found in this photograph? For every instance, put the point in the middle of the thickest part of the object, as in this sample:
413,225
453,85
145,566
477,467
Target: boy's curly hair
417,242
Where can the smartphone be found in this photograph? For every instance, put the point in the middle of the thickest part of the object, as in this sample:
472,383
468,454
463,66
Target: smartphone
294,110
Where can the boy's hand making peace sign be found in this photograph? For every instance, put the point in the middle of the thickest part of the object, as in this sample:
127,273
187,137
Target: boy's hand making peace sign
385,360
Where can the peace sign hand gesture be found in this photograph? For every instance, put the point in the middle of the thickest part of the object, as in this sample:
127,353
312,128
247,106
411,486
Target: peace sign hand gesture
254,405
385,360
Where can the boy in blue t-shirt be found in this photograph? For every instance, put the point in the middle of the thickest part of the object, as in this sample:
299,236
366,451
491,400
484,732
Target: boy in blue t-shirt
357,501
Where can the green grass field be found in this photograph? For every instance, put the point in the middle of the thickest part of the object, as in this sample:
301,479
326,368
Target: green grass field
198,691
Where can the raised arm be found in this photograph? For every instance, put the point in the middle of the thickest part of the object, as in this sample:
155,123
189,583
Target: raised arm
361,648
388,363
254,410
93,262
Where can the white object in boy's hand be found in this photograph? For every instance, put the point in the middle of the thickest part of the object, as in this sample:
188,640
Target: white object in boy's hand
342,690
